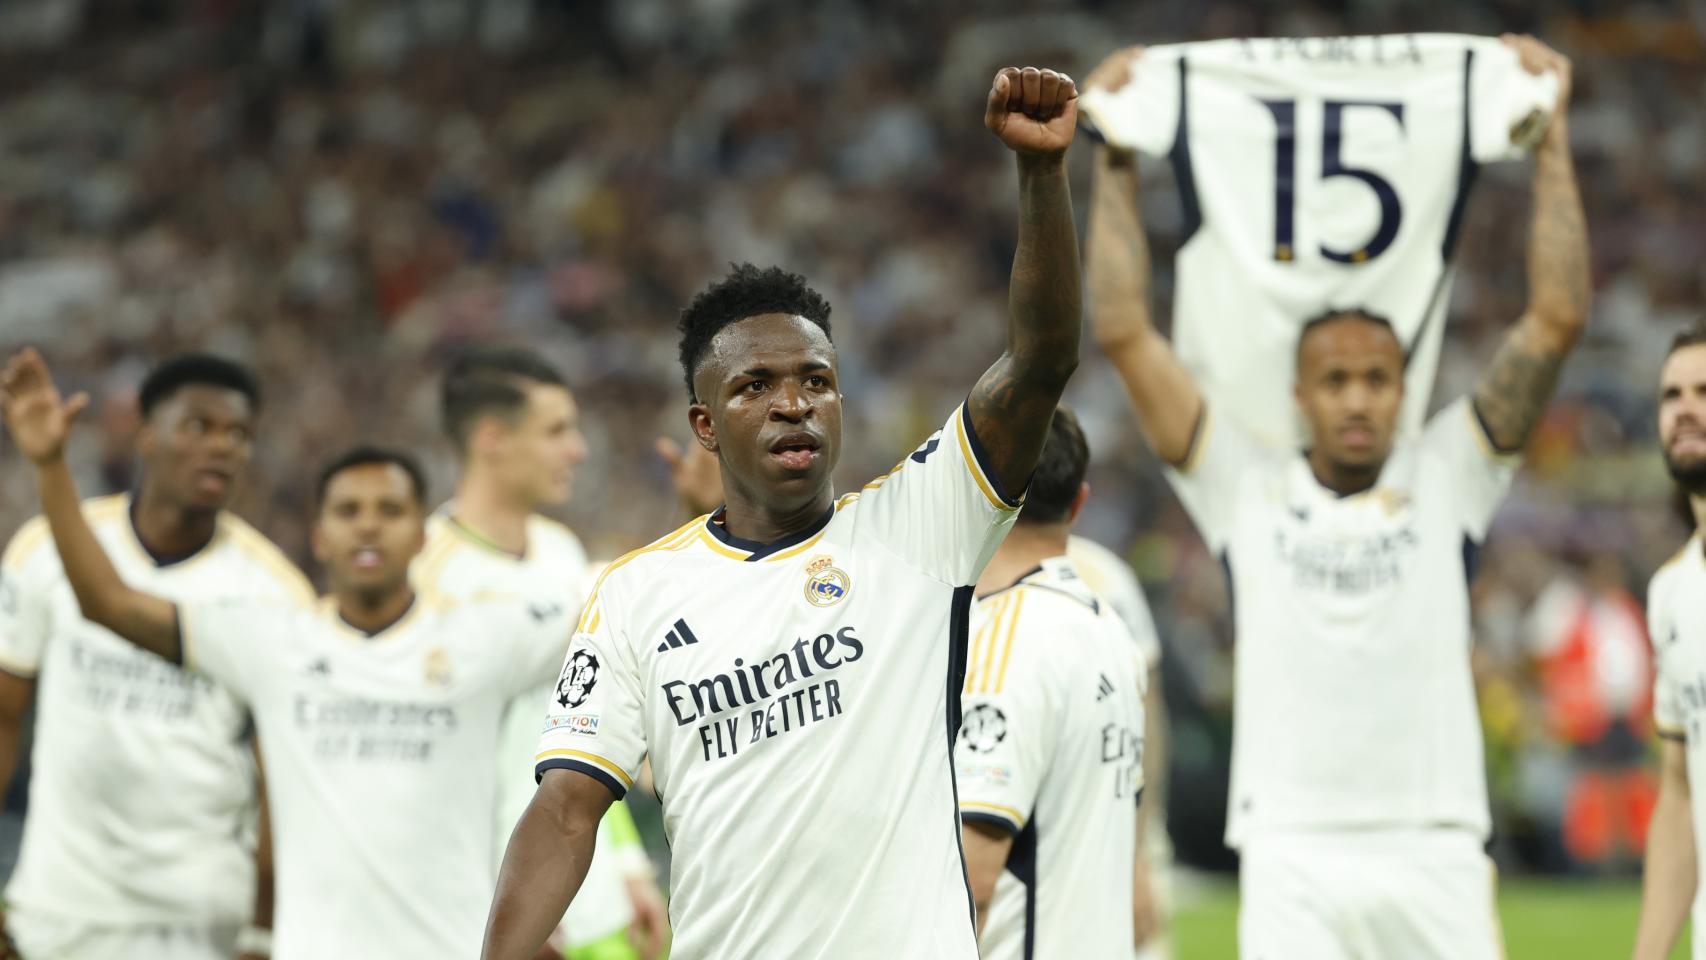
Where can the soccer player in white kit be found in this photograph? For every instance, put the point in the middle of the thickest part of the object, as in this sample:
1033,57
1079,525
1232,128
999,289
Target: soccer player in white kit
371,708
1050,753
139,839
1358,796
516,429
1114,582
792,663
1676,616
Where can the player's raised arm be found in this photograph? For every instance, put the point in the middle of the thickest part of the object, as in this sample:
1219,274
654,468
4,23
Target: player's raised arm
1514,391
1035,113
545,864
40,421
1117,273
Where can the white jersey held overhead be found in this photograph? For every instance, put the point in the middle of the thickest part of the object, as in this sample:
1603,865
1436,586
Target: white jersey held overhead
798,701
142,790
1051,750
1313,174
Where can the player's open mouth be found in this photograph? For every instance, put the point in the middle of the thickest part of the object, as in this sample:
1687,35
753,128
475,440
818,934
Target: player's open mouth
367,558
796,451
1357,436
212,481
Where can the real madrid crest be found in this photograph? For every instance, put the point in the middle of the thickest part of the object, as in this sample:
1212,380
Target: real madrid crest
437,668
826,584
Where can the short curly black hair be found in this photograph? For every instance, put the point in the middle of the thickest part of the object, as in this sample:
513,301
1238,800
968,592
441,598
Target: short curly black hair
748,291
197,369
1061,467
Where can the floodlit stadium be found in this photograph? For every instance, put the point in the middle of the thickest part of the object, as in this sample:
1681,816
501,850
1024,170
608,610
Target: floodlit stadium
729,478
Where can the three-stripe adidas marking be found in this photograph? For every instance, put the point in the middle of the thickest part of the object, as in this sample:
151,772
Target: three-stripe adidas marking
680,636
1104,687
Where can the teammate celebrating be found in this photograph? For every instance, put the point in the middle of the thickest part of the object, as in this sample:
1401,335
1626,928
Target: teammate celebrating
516,430
1358,796
1677,618
1050,757
139,838
371,710
792,663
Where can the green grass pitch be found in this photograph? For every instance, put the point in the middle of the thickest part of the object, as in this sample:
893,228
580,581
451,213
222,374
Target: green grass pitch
1543,920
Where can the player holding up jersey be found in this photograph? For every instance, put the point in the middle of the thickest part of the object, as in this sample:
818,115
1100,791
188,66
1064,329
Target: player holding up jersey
1358,796
371,709
792,663
139,841
516,429
1050,757
1676,615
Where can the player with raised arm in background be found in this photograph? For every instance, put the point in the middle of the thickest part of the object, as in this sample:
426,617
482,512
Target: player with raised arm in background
1676,616
1358,795
1050,756
792,663
377,711
516,430
139,840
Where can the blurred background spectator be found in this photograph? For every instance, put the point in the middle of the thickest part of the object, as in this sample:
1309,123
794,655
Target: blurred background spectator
342,192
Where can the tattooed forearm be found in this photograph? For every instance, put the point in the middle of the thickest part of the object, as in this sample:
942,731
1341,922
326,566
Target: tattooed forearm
1117,260
1514,392
1014,400
1560,276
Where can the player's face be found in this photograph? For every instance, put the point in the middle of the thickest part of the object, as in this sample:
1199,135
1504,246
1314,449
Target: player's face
770,404
1682,416
1350,387
369,528
196,445
538,454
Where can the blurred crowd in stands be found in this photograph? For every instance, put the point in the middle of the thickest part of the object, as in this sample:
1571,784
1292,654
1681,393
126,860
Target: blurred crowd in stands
343,192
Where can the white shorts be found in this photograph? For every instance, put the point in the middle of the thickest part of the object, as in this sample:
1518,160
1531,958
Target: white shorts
52,938
1368,895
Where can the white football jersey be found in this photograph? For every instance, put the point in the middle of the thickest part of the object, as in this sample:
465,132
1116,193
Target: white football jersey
379,760
458,564
1318,173
1676,615
1112,580
1354,703
1051,750
799,701
142,786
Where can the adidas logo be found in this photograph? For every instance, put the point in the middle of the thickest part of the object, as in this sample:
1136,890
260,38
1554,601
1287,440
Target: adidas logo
681,636
1104,687
544,611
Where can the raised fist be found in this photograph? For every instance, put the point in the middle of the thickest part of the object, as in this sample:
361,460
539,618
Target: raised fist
1034,112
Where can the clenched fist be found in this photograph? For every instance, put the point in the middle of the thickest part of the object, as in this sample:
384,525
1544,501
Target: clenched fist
1034,112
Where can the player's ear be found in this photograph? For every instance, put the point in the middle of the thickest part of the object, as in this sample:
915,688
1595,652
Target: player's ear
489,431
317,541
704,431
1077,505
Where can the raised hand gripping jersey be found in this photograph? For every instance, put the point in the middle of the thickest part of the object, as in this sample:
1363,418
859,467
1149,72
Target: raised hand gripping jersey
1354,705
1052,751
142,787
798,701
379,755
1318,173
459,565
1676,615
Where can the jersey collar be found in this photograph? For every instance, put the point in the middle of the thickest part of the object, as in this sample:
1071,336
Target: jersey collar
752,550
